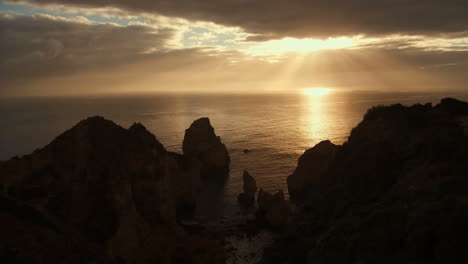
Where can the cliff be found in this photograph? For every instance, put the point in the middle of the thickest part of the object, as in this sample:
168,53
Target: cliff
100,193
395,192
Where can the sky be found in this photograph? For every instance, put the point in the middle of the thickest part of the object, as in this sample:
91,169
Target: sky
75,47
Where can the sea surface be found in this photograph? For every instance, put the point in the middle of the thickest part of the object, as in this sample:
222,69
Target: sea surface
276,129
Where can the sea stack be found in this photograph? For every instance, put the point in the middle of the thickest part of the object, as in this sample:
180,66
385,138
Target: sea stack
200,142
247,198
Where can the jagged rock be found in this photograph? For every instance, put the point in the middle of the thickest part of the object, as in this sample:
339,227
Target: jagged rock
201,142
267,201
98,192
103,180
458,109
307,178
250,185
247,198
273,208
453,107
395,192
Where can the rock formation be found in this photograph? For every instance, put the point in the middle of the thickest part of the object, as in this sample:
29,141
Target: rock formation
395,192
201,142
247,198
97,193
273,209
312,167
187,183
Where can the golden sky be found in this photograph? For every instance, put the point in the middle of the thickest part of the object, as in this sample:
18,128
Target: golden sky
73,47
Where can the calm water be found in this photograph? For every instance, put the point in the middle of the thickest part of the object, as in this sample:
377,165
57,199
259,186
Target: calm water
275,128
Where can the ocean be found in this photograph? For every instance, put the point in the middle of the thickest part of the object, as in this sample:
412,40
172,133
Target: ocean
276,128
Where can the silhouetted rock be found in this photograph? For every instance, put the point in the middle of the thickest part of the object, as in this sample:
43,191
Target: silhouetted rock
273,209
247,198
312,166
395,192
458,109
187,183
453,106
96,193
201,142
250,185
246,151
30,236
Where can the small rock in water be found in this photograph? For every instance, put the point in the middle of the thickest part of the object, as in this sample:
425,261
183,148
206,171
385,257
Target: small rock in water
247,198
246,151
273,208
250,185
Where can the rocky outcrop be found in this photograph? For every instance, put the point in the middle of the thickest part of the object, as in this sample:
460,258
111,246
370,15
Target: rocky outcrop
395,192
200,142
307,179
273,209
96,193
186,177
247,198
250,185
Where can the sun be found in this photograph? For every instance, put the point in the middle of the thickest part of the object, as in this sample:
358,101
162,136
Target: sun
316,91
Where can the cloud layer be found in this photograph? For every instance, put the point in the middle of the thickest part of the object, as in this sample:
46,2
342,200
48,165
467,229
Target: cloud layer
303,18
73,52
41,44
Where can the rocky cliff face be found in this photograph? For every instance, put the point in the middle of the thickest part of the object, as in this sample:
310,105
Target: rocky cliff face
201,143
395,192
185,174
100,193
315,160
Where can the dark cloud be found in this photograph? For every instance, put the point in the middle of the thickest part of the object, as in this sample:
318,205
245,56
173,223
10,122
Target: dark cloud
305,18
52,55
44,45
